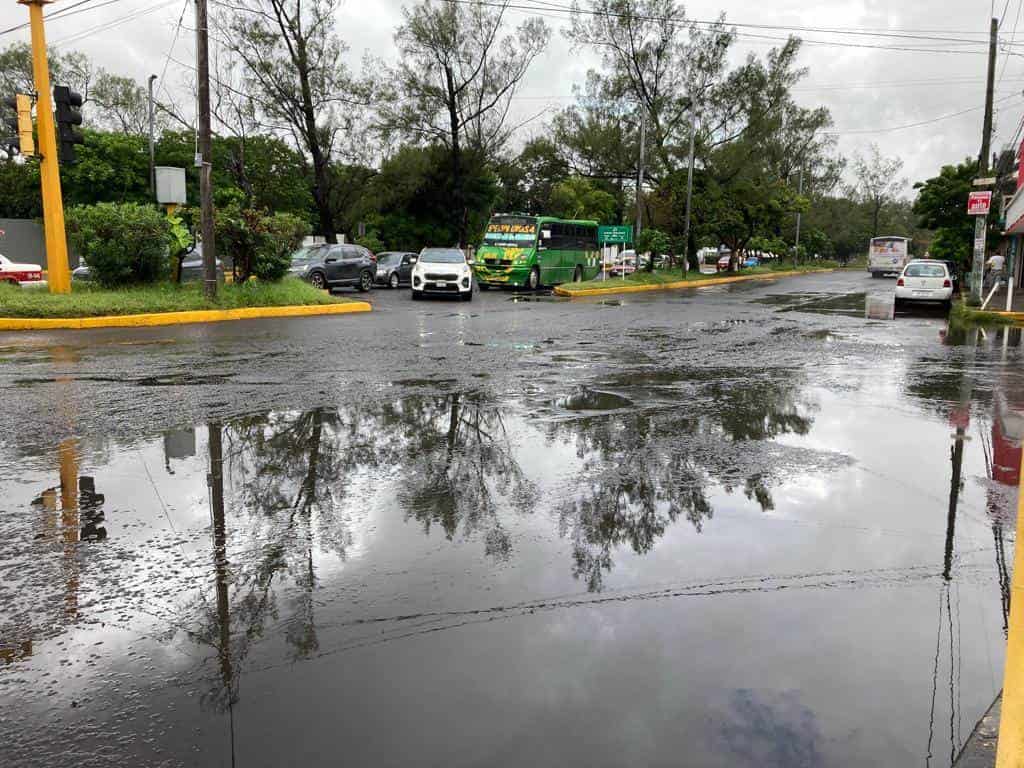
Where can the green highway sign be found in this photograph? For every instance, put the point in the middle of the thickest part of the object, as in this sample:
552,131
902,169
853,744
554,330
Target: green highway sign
617,235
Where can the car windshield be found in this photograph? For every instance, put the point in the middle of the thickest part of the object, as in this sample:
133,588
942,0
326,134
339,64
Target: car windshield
304,256
925,270
387,259
442,256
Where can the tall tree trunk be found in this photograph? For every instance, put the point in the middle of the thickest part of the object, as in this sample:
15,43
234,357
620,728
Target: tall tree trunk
458,194
320,185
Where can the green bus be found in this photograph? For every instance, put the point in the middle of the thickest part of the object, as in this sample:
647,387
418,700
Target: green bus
531,251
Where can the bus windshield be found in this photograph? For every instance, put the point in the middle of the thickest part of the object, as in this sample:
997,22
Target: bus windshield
511,231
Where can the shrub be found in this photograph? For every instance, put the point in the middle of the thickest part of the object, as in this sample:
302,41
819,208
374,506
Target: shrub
122,243
283,235
257,243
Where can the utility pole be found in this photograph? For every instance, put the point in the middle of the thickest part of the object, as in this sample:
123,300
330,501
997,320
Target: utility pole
689,192
59,273
986,135
205,155
981,224
800,192
152,145
640,182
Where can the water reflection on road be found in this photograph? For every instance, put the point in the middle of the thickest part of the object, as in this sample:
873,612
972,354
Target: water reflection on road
748,567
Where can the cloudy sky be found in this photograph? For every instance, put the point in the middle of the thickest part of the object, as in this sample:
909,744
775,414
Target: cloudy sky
867,88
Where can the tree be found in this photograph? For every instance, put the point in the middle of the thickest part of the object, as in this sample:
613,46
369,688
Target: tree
407,204
455,83
941,205
292,57
121,104
579,198
878,182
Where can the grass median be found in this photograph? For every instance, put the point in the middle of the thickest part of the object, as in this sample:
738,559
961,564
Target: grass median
87,300
668,276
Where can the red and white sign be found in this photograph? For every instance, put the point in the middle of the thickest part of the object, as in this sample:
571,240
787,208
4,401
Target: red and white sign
979,203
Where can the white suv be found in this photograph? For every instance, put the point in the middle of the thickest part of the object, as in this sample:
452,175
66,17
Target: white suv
442,271
924,280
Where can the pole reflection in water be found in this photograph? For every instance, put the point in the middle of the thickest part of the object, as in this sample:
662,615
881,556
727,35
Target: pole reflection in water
220,566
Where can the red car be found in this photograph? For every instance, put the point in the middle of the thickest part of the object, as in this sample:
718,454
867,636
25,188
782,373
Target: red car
20,274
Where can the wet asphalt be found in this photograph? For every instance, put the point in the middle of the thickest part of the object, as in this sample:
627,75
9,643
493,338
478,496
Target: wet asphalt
765,524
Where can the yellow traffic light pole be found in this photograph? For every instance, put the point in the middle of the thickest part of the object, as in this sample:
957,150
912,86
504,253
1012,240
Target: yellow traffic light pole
49,169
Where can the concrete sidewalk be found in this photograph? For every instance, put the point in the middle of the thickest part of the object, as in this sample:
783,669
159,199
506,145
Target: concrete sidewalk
980,749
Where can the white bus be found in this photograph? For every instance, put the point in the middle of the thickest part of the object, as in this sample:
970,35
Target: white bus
888,255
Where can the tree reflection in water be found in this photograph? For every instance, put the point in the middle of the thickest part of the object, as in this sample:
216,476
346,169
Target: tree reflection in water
643,471
291,481
460,469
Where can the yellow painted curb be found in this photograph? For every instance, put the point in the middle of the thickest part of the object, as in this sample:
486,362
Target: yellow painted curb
563,291
178,318
1017,317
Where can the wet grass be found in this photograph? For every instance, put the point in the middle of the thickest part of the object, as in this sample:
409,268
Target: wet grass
964,316
93,301
666,276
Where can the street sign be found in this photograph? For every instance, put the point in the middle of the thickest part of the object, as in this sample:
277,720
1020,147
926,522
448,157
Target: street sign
979,203
989,182
617,235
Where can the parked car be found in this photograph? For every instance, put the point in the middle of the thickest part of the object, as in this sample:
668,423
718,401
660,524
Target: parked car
751,261
442,271
723,263
334,266
20,274
302,258
924,281
191,269
394,268
624,264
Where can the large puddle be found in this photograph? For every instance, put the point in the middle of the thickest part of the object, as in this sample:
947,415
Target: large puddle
713,567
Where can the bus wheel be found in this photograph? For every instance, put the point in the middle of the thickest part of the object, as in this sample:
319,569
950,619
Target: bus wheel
577,276
533,281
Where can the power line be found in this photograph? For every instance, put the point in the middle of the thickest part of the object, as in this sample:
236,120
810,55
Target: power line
174,42
567,12
63,13
917,124
112,23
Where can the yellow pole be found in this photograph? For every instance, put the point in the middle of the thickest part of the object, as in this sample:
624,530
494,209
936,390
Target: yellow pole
1010,751
59,276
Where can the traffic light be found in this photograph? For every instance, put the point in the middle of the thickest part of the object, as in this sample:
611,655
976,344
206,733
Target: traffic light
19,125
68,119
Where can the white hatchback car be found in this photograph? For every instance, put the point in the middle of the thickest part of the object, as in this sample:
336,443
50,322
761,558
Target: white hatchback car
924,280
442,271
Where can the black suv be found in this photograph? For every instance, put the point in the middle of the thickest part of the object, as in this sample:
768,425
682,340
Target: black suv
334,266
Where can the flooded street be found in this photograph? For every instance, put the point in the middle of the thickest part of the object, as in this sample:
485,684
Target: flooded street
755,525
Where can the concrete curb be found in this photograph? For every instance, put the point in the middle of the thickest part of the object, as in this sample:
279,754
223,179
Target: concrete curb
178,318
682,284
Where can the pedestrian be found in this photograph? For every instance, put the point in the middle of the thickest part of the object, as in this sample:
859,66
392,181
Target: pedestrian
994,269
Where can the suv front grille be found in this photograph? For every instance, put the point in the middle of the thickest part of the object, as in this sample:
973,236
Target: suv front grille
435,276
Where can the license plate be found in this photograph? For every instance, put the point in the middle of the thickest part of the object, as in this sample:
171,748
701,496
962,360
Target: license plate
441,285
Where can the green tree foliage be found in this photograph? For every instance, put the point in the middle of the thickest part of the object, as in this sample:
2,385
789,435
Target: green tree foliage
654,242
122,243
290,52
257,243
407,205
579,198
941,205
457,75
878,183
